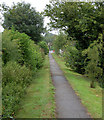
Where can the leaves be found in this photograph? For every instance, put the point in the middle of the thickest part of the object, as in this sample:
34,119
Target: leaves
59,42
22,58
79,19
44,46
93,61
25,19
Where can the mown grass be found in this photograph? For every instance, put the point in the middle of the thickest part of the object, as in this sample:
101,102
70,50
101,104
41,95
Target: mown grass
91,98
39,100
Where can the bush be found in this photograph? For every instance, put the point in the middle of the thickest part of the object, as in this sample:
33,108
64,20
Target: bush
93,61
44,46
19,47
36,57
21,58
14,82
73,58
9,48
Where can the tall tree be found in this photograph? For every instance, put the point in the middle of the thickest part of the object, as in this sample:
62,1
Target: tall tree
78,19
83,21
25,19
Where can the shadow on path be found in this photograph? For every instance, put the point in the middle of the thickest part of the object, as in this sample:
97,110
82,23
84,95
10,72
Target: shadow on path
68,104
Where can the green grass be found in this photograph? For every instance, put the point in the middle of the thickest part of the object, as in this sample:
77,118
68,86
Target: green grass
39,101
91,98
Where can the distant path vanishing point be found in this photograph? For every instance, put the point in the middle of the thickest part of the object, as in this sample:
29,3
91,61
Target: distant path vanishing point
68,104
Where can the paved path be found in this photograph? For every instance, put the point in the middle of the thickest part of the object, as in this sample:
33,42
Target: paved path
68,104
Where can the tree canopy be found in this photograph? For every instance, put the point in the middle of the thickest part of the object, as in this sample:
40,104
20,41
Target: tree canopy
80,20
25,19
84,23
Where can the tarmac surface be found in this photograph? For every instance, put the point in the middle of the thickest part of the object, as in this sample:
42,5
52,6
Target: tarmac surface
68,104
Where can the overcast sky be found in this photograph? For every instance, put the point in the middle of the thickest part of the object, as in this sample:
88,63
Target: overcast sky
39,5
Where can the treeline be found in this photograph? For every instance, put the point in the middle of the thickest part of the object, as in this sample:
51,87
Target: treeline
23,53
82,40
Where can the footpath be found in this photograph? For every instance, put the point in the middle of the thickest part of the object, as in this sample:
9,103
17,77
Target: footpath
68,104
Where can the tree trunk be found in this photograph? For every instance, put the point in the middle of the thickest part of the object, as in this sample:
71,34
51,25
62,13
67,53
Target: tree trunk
92,85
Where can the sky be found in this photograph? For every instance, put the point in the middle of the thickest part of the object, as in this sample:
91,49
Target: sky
39,5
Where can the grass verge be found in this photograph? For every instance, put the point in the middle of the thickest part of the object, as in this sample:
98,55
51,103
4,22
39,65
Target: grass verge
39,100
91,98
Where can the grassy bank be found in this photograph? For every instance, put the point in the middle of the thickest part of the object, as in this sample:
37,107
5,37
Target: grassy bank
39,99
90,98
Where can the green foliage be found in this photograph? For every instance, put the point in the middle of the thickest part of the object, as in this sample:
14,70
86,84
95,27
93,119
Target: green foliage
25,19
39,100
44,47
83,21
49,37
73,58
21,59
9,48
14,82
93,62
90,98
59,42
31,53
80,20
19,47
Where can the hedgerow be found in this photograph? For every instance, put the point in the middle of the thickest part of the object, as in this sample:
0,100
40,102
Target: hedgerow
19,47
21,60
15,80
44,46
9,48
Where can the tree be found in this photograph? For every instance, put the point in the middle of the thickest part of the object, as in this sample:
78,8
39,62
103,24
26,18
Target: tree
25,19
78,19
83,21
73,57
59,42
93,61
44,47
49,37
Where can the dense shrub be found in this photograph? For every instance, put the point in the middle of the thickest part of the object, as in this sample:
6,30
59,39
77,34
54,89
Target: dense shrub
93,61
14,82
9,48
21,59
19,47
44,46
31,53
73,58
